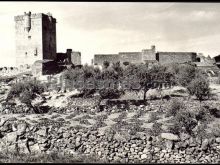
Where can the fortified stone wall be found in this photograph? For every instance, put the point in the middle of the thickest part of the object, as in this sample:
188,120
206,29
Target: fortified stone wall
131,57
100,58
145,55
10,71
175,57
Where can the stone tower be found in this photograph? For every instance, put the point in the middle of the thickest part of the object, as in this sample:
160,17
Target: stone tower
35,38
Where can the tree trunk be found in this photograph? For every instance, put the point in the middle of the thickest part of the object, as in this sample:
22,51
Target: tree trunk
145,92
145,95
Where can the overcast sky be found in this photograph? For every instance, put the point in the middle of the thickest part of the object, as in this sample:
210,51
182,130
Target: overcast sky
110,27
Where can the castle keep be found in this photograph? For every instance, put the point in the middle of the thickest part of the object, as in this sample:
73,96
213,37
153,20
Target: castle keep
35,38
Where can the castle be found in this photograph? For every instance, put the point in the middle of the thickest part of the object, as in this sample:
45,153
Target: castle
36,50
147,56
35,38
36,45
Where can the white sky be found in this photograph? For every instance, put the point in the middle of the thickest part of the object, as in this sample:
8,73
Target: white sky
110,27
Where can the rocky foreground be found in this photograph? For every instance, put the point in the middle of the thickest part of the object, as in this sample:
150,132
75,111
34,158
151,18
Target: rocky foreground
50,136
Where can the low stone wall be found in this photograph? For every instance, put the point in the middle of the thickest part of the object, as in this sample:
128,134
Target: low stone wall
54,136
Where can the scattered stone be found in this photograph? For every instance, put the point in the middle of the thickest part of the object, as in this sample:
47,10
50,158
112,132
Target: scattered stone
217,139
169,144
10,138
21,128
184,136
205,144
143,156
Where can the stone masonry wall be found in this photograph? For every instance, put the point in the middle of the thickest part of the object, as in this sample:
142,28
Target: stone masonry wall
54,136
175,57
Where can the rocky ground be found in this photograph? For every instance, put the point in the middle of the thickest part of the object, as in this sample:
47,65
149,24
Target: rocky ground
112,135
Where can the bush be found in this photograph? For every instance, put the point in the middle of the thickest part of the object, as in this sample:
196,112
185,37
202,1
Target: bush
186,120
185,74
26,91
200,88
156,129
110,93
174,107
201,131
175,129
203,115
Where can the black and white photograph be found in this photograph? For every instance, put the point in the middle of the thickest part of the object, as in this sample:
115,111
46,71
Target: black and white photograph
109,82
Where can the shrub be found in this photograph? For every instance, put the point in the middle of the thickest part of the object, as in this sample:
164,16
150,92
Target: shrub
110,93
201,131
186,120
185,74
203,115
156,129
26,91
175,129
174,107
125,63
200,88
106,64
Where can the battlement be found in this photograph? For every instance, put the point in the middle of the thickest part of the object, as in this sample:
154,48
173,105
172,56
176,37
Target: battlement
33,16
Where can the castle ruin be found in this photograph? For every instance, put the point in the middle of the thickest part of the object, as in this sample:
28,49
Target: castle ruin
35,38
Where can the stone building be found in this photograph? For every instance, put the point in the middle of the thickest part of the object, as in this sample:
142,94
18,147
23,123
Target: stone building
75,57
175,57
35,38
69,58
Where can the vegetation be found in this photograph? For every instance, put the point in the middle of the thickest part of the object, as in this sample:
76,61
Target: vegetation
156,129
175,107
153,117
26,91
140,77
200,88
186,121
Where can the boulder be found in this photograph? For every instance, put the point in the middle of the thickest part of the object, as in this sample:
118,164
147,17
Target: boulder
144,156
42,132
10,138
169,136
184,136
169,144
217,140
205,144
22,147
35,149
21,128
